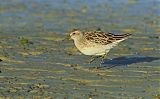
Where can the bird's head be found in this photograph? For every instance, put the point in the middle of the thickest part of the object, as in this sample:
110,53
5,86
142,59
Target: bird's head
76,34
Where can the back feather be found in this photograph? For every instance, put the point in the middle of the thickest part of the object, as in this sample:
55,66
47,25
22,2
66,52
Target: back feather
104,38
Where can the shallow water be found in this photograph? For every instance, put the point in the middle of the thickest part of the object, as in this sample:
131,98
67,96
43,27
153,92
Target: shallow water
36,61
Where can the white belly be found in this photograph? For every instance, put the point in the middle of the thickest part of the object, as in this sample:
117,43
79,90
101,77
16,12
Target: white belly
96,49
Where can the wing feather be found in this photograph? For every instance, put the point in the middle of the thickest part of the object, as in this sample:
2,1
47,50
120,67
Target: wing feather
104,38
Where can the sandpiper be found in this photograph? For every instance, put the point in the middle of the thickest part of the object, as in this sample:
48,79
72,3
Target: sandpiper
96,43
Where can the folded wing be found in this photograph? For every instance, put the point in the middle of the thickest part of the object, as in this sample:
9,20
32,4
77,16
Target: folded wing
105,38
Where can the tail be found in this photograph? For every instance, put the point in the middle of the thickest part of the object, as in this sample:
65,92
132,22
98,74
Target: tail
122,36
113,38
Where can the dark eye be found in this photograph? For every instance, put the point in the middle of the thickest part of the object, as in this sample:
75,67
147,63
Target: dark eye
74,33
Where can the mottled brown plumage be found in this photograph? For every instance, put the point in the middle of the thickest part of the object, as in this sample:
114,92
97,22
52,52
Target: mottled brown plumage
104,38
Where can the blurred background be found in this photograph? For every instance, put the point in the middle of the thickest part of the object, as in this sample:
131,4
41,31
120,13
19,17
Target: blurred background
34,16
36,61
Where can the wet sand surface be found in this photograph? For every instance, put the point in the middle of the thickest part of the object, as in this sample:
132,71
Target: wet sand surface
36,61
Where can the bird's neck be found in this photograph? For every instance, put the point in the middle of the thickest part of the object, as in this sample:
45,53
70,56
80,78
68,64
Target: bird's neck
79,42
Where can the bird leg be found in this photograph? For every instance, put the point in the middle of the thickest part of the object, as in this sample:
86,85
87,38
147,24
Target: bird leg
95,57
102,58
92,59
